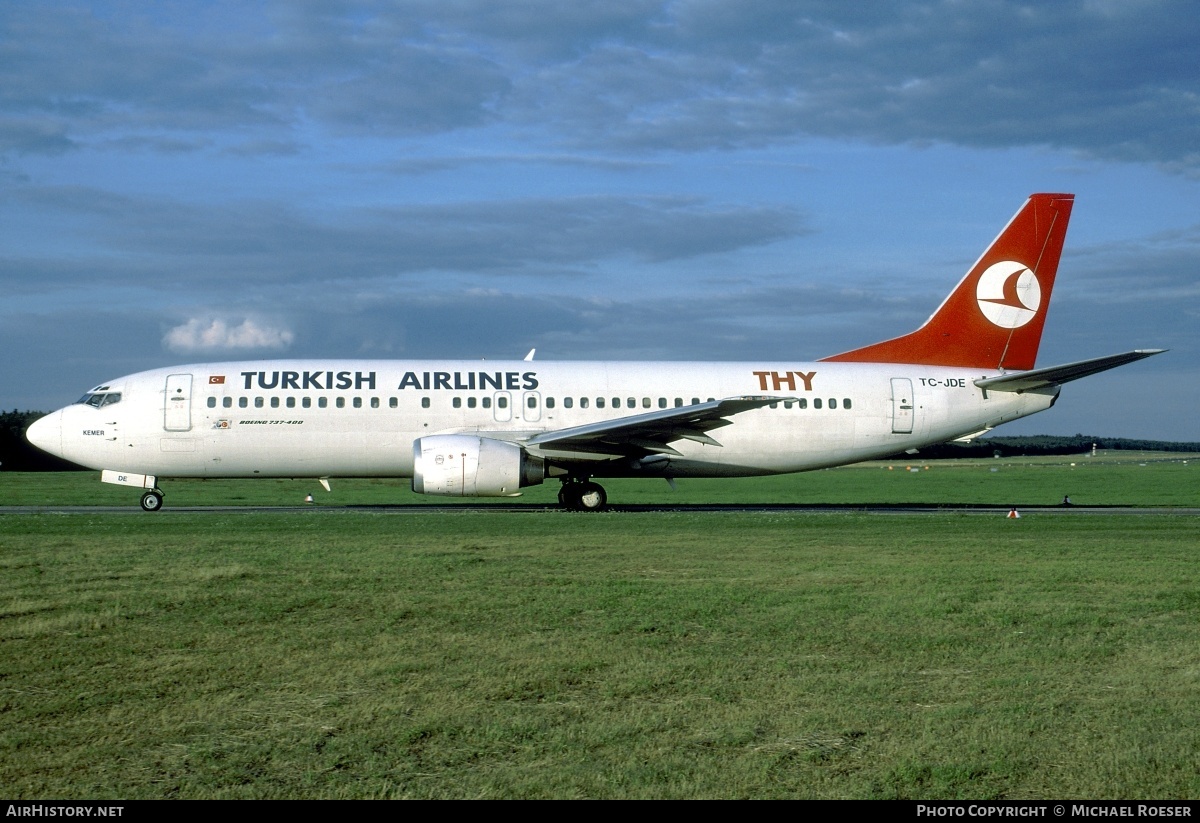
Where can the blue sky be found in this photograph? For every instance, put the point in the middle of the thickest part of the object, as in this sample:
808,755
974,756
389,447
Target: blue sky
702,179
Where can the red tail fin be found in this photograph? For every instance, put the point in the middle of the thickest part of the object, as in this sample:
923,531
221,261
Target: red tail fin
993,319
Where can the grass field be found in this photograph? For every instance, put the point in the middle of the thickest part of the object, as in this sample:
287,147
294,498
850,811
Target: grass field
1118,478
401,653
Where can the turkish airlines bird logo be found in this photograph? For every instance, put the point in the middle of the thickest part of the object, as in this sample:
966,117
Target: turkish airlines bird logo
1008,294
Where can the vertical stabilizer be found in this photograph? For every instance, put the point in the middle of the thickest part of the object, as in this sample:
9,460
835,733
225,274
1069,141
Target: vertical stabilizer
994,317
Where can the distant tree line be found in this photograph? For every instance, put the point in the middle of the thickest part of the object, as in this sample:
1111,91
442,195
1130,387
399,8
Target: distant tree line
1045,444
16,455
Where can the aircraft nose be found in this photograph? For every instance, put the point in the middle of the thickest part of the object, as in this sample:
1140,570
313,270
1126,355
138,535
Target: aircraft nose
46,433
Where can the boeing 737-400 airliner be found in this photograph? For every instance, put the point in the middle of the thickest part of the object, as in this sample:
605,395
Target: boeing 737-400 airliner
487,429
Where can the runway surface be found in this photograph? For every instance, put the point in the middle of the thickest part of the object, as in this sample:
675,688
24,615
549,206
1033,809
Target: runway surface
711,508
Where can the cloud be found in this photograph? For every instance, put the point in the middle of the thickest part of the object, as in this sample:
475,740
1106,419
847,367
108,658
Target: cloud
772,323
219,335
430,165
1109,80
33,135
260,243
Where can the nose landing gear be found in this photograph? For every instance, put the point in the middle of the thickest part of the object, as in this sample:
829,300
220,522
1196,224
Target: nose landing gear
152,500
582,495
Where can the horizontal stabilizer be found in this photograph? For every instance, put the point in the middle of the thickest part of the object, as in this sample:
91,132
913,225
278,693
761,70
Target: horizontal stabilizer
1057,375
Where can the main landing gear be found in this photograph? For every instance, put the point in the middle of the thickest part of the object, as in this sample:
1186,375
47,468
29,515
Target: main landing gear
152,500
582,495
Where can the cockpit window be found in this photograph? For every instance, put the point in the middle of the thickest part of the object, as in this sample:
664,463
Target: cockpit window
99,399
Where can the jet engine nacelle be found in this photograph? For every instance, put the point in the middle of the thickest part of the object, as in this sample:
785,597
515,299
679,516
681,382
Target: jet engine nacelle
465,465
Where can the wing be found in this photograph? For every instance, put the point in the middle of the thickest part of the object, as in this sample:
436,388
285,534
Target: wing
1056,375
649,433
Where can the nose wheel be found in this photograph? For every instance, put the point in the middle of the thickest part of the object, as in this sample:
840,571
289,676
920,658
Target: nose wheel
152,500
582,496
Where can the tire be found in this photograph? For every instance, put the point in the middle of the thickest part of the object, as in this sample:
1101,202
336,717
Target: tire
152,501
590,497
568,495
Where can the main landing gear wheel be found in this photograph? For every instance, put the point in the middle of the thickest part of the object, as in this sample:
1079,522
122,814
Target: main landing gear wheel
152,500
591,497
582,496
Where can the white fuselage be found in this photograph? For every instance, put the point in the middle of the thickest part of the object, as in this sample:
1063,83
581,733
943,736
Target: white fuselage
359,418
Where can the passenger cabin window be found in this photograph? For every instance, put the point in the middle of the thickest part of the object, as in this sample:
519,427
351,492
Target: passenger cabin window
227,402
358,402
243,402
583,402
393,403
502,402
550,402
258,402
568,402
424,402
274,402
212,402
323,402
340,402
